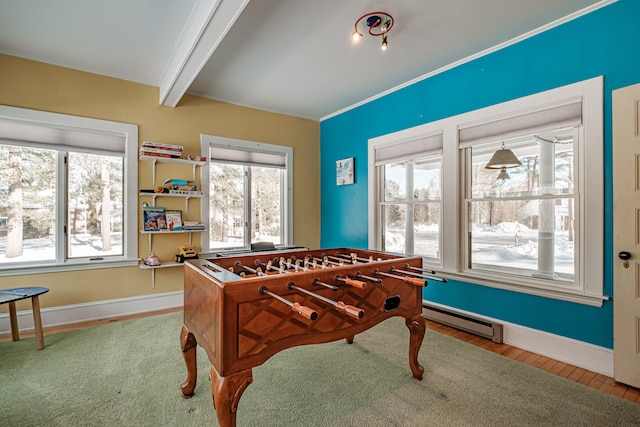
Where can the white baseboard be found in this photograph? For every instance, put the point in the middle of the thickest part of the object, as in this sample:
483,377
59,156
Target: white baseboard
578,353
69,314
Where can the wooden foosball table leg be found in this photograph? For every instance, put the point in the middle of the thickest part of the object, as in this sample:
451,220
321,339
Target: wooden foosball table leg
188,345
227,392
417,327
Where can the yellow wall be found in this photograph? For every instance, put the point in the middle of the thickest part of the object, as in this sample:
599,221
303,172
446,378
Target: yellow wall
38,86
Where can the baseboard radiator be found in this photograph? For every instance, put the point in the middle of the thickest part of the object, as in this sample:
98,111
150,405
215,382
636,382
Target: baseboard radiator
467,323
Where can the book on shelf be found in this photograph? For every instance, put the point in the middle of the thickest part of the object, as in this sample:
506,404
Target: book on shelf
153,218
159,151
161,145
191,225
199,228
174,220
145,150
162,155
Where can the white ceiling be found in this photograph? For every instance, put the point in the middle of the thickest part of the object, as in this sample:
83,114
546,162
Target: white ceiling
290,56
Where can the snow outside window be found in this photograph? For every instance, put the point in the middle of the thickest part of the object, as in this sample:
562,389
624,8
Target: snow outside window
249,193
523,222
536,228
410,210
66,198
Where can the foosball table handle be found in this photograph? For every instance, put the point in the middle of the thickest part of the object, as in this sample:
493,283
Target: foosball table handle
355,283
415,281
349,310
304,311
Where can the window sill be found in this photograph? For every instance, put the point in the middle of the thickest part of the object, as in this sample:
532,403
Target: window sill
546,292
64,268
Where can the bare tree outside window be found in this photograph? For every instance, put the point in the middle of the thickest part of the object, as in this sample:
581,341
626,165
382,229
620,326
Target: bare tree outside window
95,205
232,189
28,197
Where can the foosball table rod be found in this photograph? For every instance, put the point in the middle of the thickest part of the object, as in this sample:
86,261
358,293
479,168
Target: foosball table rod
349,310
355,257
257,272
372,279
269,266
413,280
422,275
326,260
430,274
317,282
351,282
296,307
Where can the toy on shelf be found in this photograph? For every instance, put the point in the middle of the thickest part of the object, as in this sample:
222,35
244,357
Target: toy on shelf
186,252
153,260
196,158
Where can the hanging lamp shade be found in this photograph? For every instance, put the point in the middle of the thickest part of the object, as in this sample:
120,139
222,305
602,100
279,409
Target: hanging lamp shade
503,158
503,174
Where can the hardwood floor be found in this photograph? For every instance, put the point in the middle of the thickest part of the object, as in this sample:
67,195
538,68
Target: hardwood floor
573,373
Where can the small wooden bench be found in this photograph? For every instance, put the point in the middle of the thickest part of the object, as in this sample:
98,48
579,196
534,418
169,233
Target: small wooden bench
16,294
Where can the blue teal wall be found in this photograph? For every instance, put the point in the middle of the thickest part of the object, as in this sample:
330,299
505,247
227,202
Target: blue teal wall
604,42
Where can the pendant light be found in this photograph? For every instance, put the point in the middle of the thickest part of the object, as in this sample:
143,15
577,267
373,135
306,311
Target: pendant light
503,159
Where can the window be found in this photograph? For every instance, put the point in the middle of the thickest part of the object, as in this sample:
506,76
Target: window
411,208
526,228
65,192
249,193
522,222
409,204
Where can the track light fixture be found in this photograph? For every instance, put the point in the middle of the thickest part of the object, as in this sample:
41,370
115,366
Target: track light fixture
377,23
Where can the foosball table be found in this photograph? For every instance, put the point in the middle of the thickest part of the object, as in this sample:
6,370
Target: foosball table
244,309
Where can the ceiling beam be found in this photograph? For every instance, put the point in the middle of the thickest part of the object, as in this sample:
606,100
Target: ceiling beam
208,24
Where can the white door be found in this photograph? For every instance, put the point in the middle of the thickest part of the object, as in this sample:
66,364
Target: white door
626,199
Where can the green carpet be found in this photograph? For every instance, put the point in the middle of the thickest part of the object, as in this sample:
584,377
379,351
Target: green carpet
128,374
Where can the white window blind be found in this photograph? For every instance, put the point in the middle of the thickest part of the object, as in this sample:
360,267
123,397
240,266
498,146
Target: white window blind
62,138
408,150
247,158
561,116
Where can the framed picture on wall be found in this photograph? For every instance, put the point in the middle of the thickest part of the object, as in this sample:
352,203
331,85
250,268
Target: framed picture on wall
345,171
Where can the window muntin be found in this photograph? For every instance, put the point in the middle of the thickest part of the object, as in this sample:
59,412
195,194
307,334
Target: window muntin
524,225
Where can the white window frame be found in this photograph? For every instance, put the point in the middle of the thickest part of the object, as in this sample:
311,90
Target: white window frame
590,212
252,150
122,131
411,149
